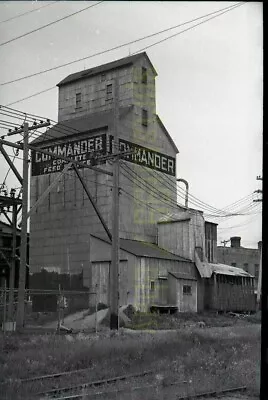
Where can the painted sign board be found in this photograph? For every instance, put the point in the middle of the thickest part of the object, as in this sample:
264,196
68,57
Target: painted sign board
84,150
148,158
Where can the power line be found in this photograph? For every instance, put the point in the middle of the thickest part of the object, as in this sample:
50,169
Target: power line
29,12
157,194
116,47
46,90
142,202
249,221
47,25
185,30
197,203
20,114
32,95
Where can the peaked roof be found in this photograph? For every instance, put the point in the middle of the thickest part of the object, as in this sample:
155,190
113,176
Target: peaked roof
74,126
144,249
123,62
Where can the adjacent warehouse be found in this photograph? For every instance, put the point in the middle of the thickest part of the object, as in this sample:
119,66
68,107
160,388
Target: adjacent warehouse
242,257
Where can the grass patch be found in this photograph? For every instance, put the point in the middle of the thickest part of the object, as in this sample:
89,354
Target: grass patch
143,321
217,362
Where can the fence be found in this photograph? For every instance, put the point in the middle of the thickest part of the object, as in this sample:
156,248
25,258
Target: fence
58,310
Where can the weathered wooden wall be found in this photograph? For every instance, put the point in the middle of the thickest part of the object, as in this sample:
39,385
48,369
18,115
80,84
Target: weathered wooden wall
184,302
184,234
230,293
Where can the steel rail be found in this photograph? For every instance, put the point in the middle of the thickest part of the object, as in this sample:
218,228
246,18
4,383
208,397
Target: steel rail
95,383
221,393
49,376
213,393
83,396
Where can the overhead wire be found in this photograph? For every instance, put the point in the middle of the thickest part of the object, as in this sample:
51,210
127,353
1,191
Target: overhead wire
46,90
23,115
171,188
192,27
49,24
117,47
29,12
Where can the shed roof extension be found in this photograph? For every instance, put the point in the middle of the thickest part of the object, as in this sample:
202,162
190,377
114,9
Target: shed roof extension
144,249
179,275
123,62
73,127
223,269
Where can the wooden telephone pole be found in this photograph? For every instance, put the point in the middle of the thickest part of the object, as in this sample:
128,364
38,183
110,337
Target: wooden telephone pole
24,235
114,275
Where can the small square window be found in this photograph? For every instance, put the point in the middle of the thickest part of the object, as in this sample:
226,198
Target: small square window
144,117
152,286
144,75
187,289
109,92
78,100
103,77
246,267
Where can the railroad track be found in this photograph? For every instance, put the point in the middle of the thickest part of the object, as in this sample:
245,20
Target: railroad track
53,392
50,376
202,395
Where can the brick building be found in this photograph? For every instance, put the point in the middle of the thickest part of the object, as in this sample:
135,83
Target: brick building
242,257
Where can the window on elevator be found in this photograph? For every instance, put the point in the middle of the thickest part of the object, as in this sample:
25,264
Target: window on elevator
144,75
144,120
109,92
78,100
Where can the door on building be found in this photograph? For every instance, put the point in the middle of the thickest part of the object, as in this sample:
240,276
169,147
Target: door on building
186,295
162,291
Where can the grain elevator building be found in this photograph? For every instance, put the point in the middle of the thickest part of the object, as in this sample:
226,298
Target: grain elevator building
62,224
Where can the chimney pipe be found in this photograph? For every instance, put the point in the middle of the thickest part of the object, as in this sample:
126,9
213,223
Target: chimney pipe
235,241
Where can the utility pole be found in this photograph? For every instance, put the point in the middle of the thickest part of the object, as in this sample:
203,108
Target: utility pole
13,263
114,276
259,281
24,236
224,245
259,178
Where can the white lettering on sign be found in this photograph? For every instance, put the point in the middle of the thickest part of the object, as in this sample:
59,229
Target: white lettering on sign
83,150
147,157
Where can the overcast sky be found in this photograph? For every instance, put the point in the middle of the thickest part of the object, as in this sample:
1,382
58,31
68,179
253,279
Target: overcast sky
208,89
